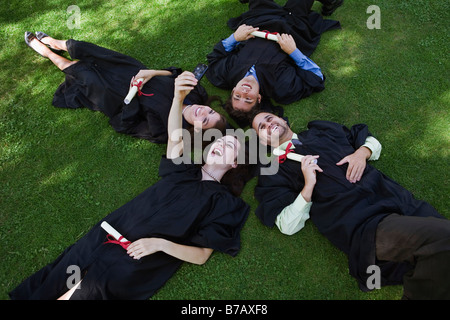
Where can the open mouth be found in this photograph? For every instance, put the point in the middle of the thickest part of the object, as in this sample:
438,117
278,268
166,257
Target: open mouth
247,86
217,152
197,111
274,128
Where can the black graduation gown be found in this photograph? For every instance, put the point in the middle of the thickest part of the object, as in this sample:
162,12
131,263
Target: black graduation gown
179,207
278,75
347,214
100,81
295,18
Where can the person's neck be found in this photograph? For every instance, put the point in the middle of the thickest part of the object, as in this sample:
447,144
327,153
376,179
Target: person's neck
286,137
213,172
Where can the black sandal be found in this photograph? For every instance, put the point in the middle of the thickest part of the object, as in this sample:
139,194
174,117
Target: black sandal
41,35
29,36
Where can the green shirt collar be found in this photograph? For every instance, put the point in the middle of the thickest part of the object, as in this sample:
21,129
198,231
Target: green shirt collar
283,146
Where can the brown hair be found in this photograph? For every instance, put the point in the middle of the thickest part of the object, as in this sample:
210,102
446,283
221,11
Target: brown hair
238,115
235,179
220,125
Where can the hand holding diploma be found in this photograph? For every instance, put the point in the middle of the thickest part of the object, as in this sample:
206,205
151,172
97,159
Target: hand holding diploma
309,168
121,240
244,32
134,86
286,42
265,35
141,78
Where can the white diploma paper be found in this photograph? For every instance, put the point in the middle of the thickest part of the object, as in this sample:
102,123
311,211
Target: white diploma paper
132,92
110,230
291,155
261,34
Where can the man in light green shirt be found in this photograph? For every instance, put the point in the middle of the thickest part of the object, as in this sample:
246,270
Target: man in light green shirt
364,213
293,217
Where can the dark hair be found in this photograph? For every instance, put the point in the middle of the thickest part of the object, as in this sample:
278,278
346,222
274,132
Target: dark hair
220,125
235,179
239,116
255,113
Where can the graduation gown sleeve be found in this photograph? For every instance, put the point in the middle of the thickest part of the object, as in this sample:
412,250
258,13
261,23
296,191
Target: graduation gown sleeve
274,193
169,166
294,83
220,62
220,229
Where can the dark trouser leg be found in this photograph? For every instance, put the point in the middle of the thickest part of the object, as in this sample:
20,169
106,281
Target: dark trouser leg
299,7
327,2
329,6
424,242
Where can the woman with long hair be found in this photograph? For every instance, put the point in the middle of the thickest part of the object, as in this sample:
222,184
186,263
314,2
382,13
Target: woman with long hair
99,79
186,215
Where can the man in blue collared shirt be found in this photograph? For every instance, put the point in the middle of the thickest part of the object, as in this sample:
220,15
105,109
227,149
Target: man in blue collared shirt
257,68
246,91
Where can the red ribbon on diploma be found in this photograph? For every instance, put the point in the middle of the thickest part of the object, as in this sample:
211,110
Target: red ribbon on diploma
283,157
140,93
268,32
124,244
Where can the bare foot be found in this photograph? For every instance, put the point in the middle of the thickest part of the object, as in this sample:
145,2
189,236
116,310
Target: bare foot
54,43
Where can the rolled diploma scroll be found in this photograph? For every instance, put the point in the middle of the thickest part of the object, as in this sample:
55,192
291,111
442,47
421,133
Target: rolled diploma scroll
261,34
110,230
132,92
291,155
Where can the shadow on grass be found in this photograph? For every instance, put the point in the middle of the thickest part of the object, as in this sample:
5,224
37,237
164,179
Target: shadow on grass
63,170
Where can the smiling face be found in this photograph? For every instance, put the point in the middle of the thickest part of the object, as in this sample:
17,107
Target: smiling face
224,151
204,115
245,94
271,129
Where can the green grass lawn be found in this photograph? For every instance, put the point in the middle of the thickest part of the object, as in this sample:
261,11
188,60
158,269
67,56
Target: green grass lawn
61,170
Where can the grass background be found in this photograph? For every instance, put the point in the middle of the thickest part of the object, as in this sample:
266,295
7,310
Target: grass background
61,171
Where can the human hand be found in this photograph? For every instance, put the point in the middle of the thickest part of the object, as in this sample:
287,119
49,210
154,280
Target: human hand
309,168
286,42
144,247
146,75
184,83
356,164
244,32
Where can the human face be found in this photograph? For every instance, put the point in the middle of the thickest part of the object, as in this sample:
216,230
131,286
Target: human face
271,129
224,151
202,117
245,94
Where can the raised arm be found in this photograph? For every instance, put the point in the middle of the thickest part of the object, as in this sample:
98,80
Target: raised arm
293,217
184,83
